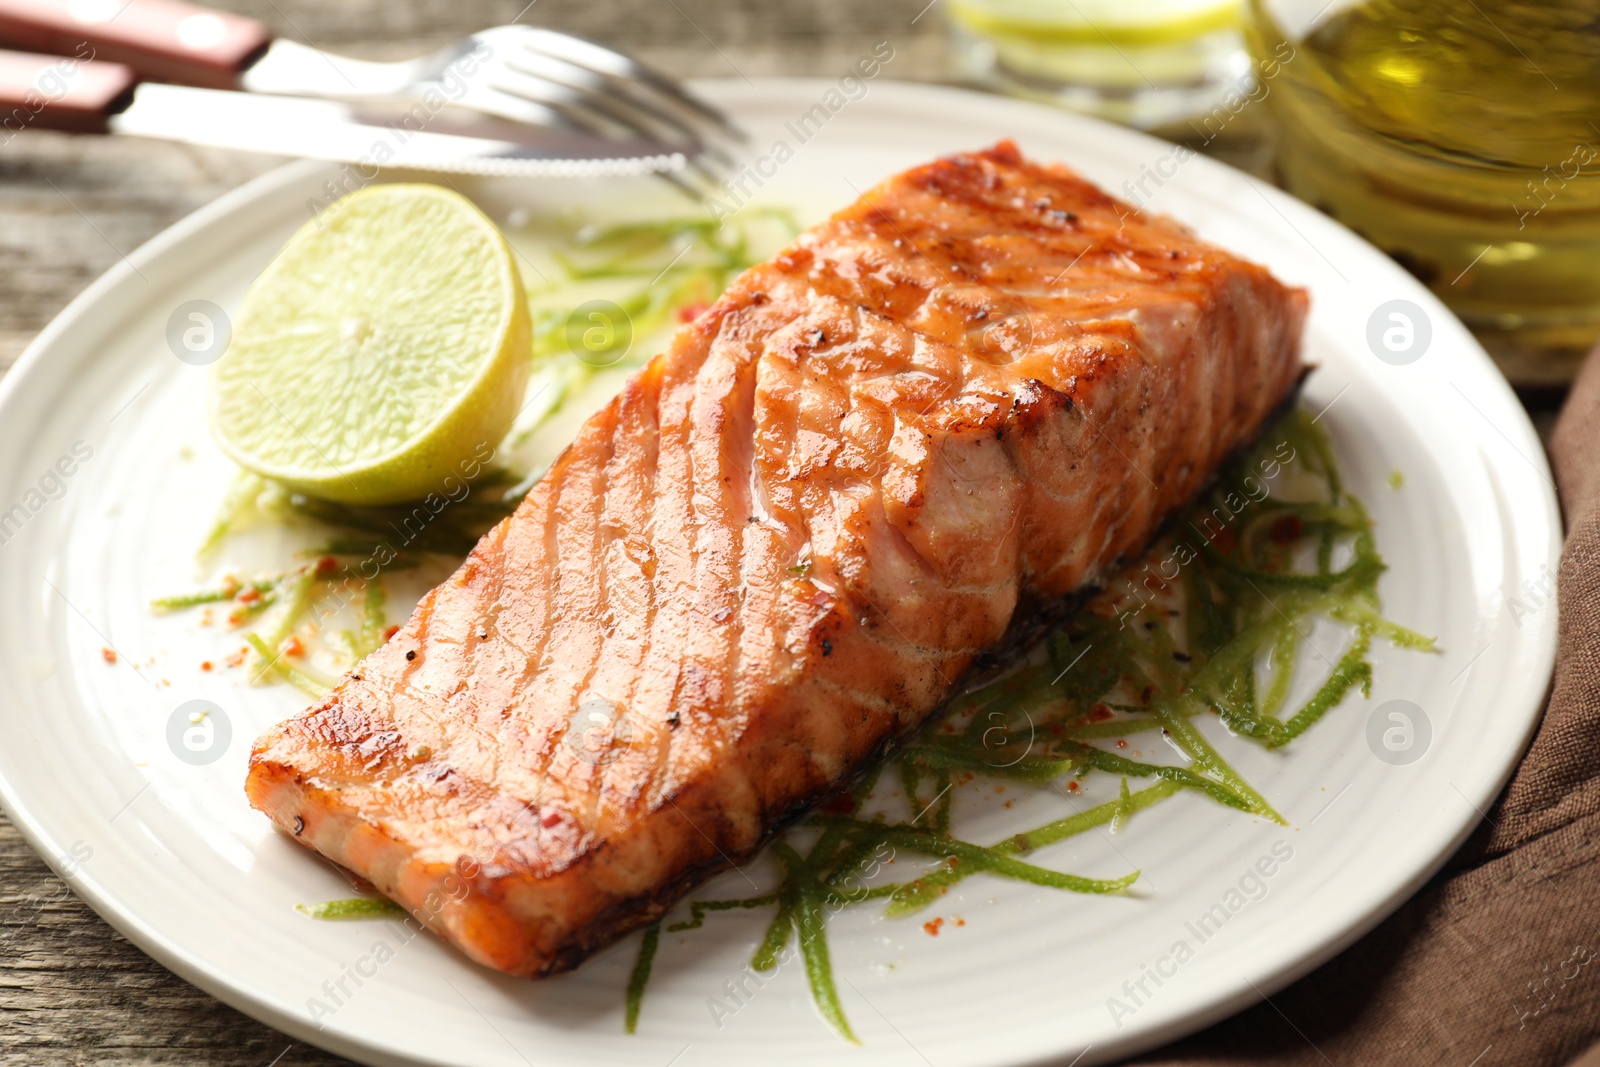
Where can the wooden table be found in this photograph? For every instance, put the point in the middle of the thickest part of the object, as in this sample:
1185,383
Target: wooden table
72,990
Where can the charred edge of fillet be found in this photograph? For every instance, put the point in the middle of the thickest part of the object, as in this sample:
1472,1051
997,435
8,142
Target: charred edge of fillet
625,916
1029,624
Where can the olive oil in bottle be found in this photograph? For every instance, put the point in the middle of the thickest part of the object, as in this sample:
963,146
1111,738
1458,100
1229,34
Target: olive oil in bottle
1464,140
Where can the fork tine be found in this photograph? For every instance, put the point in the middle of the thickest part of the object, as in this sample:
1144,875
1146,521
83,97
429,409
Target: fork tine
621,110
569,105
598,114
671,109
611,94
580,52
580,110
539,81
697,192
532,113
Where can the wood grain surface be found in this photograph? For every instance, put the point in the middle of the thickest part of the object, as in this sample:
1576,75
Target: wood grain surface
72,990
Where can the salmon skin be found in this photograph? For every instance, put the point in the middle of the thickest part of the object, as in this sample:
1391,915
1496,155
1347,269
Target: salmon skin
777,550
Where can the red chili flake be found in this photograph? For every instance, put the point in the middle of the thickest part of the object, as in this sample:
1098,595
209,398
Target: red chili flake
1072,787
327,565
1225,541
931,927
108,655
690,312
293,647
237,659
390,632
1100,713
1122,742
840,804
205,665
1288,529
550,819
961,922
249,596
1149,692
948,728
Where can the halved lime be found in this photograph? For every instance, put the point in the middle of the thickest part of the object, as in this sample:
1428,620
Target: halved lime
383,352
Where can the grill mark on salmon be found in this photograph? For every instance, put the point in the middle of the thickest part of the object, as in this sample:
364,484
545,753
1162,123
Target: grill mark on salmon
900,442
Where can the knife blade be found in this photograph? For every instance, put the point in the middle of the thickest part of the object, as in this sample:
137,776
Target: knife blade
89,96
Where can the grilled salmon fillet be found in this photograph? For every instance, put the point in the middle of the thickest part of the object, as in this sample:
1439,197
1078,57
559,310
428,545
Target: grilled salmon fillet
778,549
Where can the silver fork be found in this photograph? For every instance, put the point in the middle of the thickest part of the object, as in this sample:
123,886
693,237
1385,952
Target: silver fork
521,74
516,83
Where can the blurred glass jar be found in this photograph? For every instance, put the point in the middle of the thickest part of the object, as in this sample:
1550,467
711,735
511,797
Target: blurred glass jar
1460,136
1145,63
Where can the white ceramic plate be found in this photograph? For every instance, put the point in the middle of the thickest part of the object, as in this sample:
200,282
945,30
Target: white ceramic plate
170,853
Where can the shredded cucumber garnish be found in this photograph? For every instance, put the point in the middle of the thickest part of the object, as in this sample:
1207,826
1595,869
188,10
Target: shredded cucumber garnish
354,908
271,662
641,975
654,274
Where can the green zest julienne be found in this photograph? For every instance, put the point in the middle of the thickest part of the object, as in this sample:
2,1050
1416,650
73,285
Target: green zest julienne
666,269
354,908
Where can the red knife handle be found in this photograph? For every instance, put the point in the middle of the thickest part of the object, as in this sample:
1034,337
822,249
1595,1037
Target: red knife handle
164,40
56,93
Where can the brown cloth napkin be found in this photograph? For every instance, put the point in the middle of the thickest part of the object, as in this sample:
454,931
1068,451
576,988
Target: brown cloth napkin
1496,963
